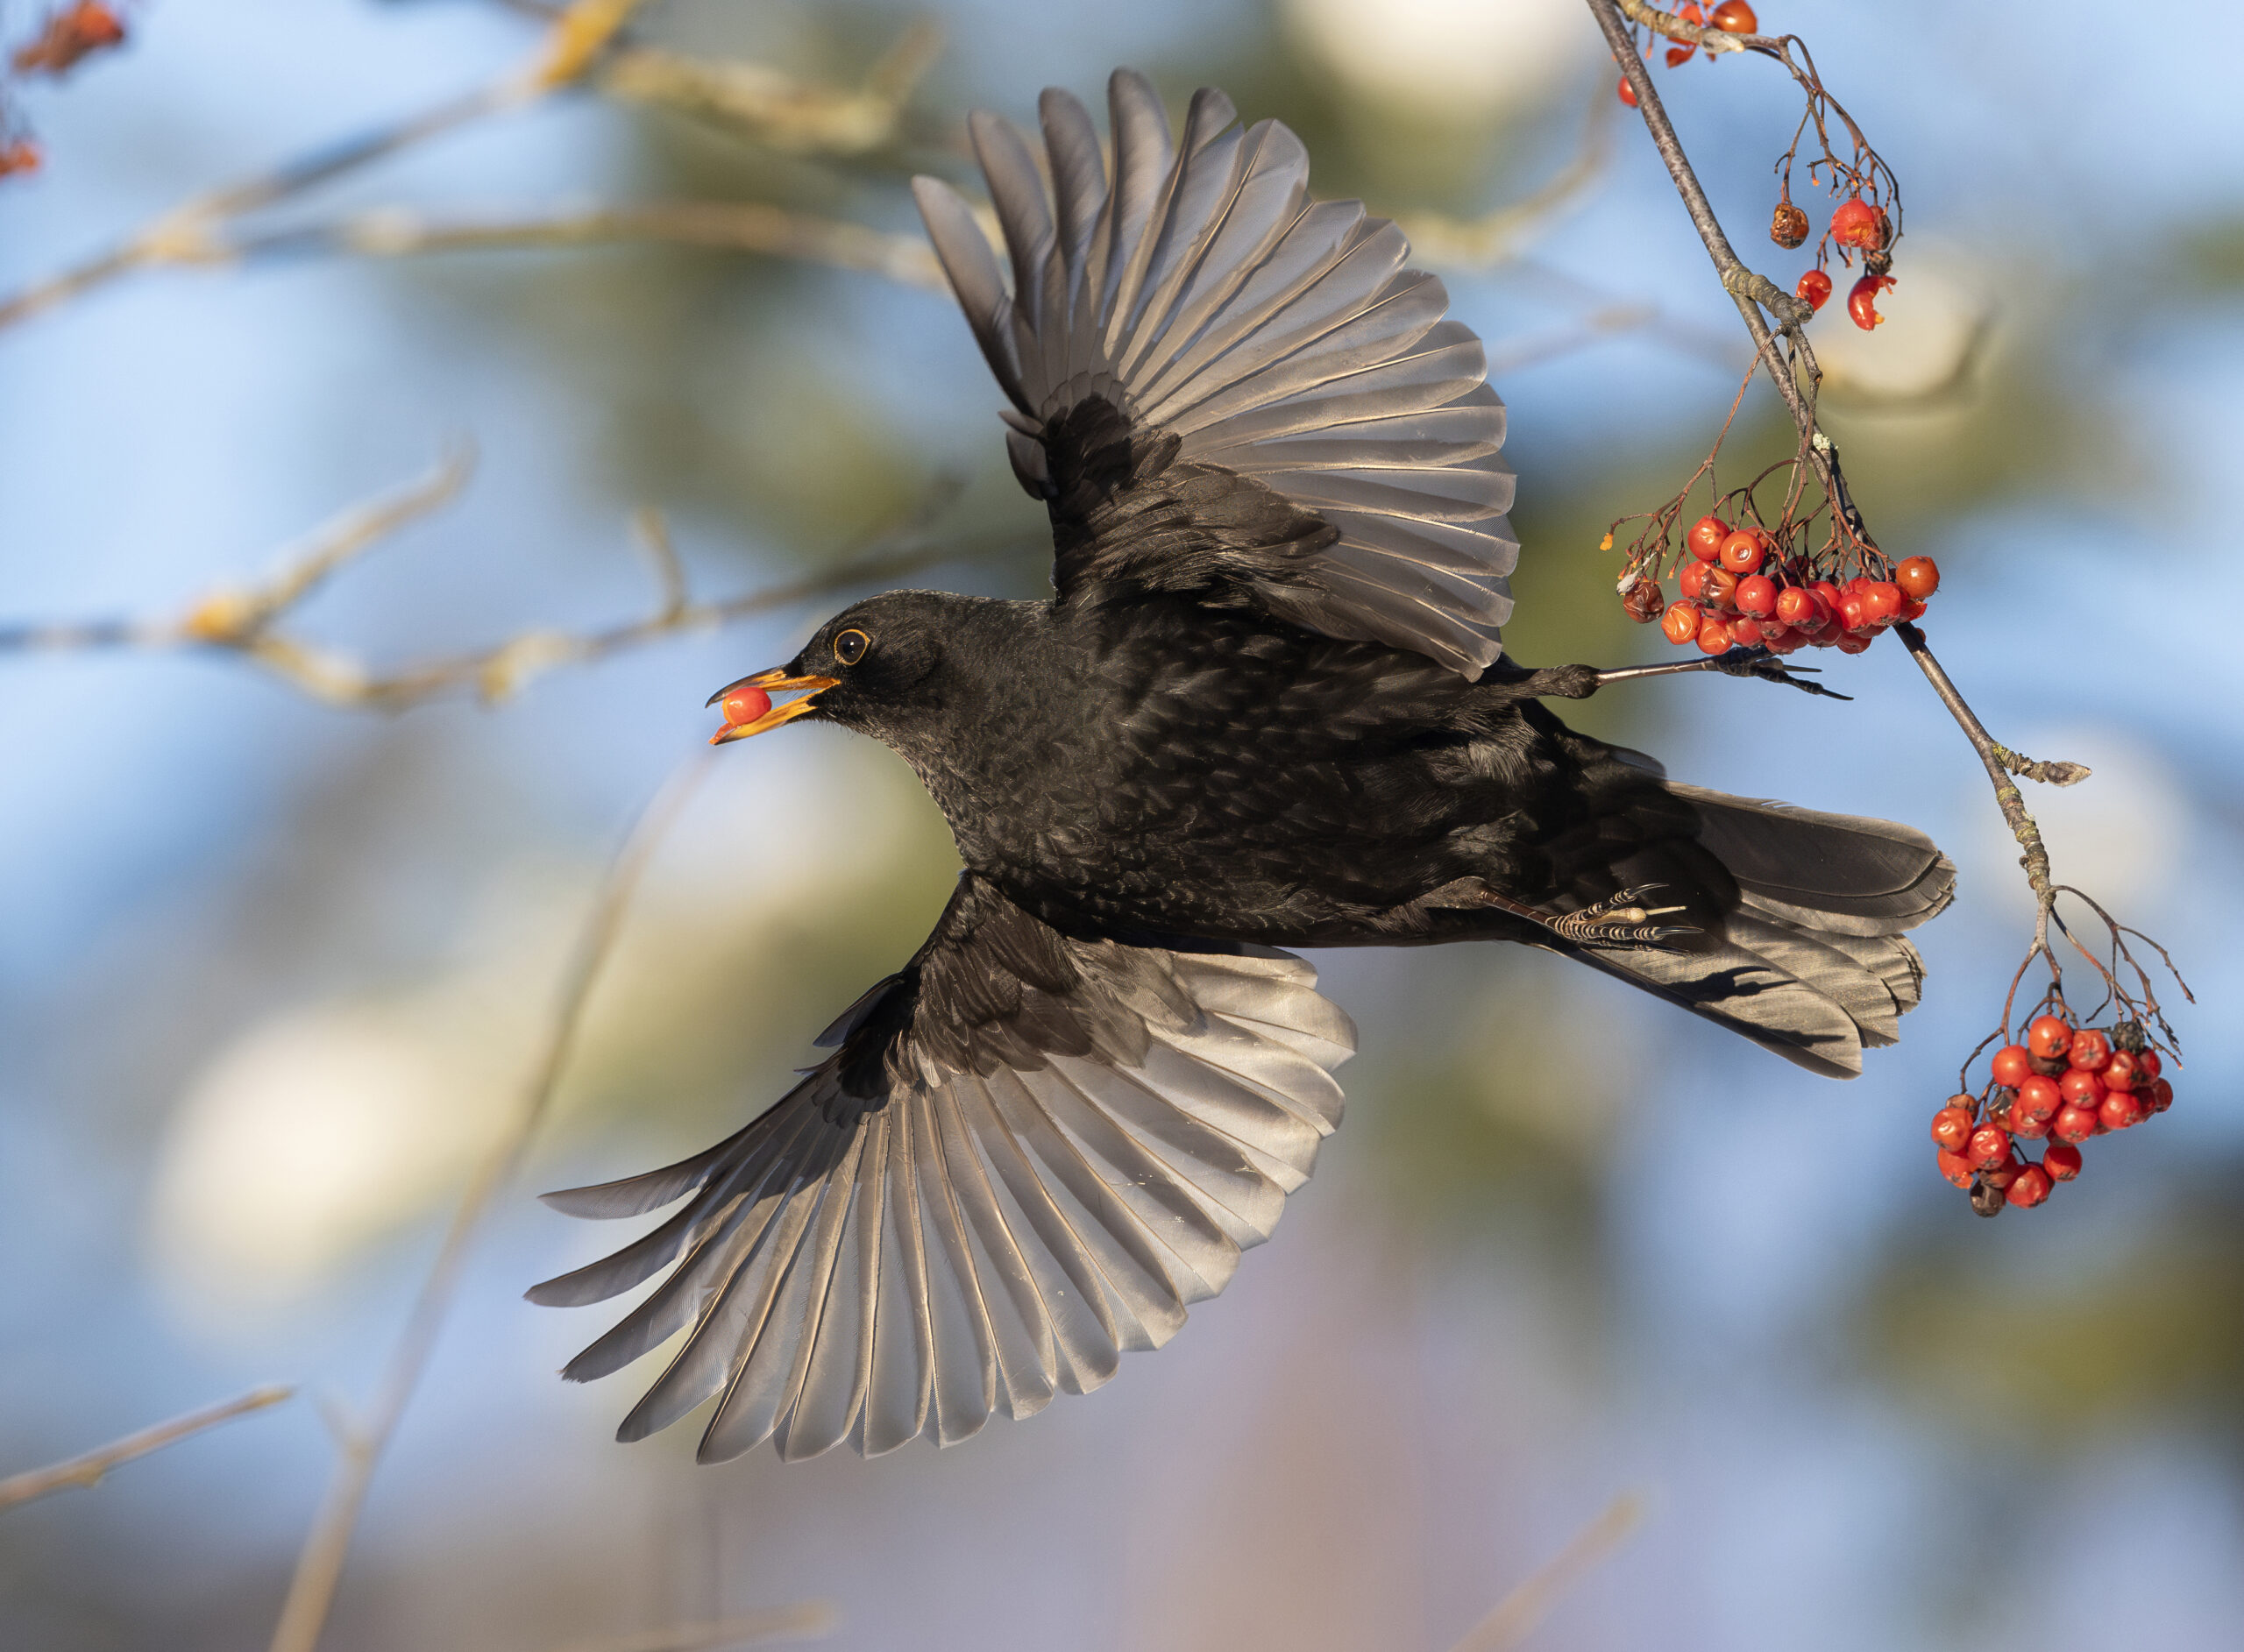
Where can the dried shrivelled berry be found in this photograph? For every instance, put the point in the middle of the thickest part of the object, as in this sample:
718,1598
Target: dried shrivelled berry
1788,225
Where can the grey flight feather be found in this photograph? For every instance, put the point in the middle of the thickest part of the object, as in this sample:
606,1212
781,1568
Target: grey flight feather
1249,346
1028,1154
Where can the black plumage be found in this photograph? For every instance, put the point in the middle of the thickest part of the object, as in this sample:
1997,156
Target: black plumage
1266,708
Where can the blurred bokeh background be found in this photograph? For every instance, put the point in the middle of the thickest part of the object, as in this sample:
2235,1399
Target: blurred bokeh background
273,973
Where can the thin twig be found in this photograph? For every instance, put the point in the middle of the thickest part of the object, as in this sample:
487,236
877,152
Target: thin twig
191,232
1514,1617
311,1591
88,1469
807,1621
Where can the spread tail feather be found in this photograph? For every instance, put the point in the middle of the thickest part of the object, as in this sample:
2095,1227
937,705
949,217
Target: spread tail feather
1809,959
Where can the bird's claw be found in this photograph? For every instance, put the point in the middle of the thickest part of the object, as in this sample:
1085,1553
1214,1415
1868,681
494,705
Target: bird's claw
1768,668
1621,920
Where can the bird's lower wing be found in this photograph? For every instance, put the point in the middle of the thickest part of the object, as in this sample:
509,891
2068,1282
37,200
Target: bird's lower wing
1028,1153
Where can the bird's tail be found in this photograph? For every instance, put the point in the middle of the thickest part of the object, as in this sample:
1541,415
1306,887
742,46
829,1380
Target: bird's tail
1805,955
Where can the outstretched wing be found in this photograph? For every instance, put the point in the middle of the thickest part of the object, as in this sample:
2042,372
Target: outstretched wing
1221,387
1028,1154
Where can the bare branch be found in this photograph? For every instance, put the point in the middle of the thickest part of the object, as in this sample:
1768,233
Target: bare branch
311,1591
87,1470
807,1621
1516,1616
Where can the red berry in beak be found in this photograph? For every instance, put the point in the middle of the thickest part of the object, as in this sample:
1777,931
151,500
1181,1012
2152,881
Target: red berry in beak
745,705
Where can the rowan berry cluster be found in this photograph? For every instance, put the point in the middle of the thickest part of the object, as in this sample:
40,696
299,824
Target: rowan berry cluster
1737,592
2063,1085
1733,17
68,35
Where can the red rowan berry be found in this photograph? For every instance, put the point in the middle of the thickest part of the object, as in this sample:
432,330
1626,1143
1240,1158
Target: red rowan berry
1680,623
2122,1072
1814,290
1858,223
2061,1160
2074,1124
2036,1103
1951,1128
1628,92
2010,1066
1757,597
1735,16
2082,1090
2120,1111
1918,577
1988,1145
1714,636
1953,1166
2050,1036
1742,553
1706,536
2030,1188
2160,1096
2089,1051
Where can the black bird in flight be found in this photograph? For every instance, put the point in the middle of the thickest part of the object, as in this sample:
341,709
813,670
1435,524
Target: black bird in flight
1264,706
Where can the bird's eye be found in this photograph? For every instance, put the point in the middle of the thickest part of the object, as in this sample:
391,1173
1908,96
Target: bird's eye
850,646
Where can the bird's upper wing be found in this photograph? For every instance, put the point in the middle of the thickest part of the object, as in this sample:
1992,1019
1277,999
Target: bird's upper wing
1221,386
1028,1154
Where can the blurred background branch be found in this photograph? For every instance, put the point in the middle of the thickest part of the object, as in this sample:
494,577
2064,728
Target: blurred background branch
361,1440
247,622
88,1469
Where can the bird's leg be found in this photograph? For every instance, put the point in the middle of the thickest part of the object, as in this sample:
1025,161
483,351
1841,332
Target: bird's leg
1619,921
1754,663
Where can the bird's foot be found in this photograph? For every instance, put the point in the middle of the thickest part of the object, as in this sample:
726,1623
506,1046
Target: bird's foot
1621,920
1753,662
1769,668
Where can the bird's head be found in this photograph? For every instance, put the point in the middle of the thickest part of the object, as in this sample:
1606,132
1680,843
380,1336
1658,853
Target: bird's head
882,667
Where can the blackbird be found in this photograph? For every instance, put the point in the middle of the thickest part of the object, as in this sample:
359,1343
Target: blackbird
1265,706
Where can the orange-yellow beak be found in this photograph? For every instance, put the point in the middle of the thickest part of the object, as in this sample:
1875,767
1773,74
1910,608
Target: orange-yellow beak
775,678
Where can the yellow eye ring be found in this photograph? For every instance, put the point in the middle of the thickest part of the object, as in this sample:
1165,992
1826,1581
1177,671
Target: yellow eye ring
850,646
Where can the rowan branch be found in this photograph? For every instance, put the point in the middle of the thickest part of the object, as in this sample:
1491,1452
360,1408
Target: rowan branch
88,1469
360,1444
1816,448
